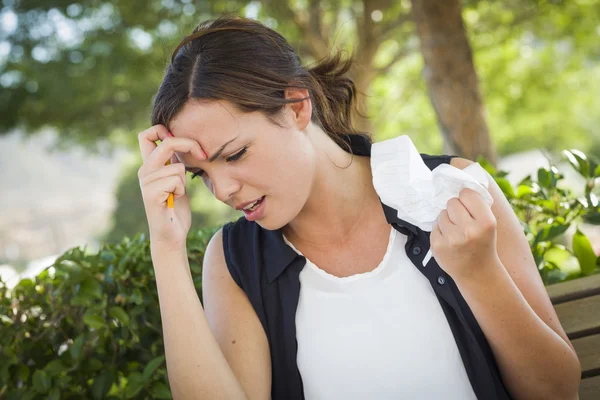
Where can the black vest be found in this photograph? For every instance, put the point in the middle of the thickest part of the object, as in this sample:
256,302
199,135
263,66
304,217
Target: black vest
268,270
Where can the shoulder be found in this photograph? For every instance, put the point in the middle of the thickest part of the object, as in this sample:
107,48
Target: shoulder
460,163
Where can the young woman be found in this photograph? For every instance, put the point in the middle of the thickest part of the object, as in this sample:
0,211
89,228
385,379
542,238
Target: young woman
319,291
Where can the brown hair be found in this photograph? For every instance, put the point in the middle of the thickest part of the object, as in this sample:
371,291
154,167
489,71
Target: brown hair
242,61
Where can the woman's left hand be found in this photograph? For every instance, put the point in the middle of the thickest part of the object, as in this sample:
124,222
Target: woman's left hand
463,240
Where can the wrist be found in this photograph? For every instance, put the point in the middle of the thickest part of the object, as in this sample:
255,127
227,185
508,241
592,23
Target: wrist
160,249
486,272
168,256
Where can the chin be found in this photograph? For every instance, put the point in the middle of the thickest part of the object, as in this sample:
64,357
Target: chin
272,222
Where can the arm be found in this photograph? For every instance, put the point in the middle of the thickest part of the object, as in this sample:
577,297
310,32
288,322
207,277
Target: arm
197,367
234,323
509,300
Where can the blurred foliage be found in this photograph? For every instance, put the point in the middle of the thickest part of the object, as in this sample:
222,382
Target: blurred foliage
547,211
90,68
538,64
89,326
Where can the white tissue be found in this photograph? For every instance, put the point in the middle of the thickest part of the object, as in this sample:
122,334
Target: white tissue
405,183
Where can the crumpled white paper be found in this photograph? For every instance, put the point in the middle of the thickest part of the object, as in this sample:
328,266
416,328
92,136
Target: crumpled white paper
405,183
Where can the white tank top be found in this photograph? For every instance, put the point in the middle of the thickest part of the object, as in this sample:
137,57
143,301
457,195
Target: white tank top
376,335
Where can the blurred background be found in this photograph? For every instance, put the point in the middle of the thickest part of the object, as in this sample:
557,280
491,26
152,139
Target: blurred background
514,81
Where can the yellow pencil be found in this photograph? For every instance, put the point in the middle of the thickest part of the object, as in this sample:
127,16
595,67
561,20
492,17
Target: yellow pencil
170,199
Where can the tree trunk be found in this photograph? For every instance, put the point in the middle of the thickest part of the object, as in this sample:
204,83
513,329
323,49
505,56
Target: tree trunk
451,78
363,74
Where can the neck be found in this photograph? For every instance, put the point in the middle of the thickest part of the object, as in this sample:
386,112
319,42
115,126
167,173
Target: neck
342,198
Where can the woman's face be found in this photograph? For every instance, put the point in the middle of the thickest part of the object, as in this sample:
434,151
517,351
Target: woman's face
253,159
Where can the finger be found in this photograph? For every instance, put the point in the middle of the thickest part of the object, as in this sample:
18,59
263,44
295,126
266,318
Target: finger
443,222
158,191
171,145
474,203
147,140
166,171
457,212
435,232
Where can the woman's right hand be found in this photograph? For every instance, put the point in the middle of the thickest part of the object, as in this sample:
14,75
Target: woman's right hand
168,226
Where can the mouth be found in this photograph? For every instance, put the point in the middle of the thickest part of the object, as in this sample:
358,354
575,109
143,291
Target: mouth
254,205
254,210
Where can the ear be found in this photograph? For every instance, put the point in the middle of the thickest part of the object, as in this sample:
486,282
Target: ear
301,110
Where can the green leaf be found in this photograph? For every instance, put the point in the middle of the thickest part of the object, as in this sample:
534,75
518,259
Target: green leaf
152,366
107,256
506,187
6,320
92,319
579,161
4,372
28,395
571,159
524,190
41,381
487,165
94,364
592,217
551,275
137,296
55,367
582,248
593,200
23,373
102,384
120,314
90,287
597,172
551,231
76,347
583,162
544,178
54,394
565,261
160,391
135,383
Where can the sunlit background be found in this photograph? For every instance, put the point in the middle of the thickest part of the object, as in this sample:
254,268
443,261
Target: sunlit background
77,80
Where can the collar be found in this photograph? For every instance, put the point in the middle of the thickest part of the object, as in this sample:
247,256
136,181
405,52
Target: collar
277,255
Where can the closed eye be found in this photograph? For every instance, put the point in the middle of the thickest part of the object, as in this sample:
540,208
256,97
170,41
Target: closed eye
235,157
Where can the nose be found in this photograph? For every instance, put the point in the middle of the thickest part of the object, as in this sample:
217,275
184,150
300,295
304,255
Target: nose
224,188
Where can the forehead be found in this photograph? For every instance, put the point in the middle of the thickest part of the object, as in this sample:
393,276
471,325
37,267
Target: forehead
210,123
202,120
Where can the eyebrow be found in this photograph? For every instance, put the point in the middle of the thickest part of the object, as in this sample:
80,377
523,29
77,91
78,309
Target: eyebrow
218,153
214,156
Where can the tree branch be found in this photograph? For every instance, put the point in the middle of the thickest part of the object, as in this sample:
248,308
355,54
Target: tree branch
317,43
400,54
390,27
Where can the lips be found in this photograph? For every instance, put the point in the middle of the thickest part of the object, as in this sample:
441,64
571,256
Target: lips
256,210
240,207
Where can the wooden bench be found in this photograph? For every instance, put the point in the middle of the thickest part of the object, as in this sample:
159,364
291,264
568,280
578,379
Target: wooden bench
577,304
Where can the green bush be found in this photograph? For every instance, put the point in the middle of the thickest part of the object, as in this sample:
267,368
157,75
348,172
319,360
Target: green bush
546,211
89,326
